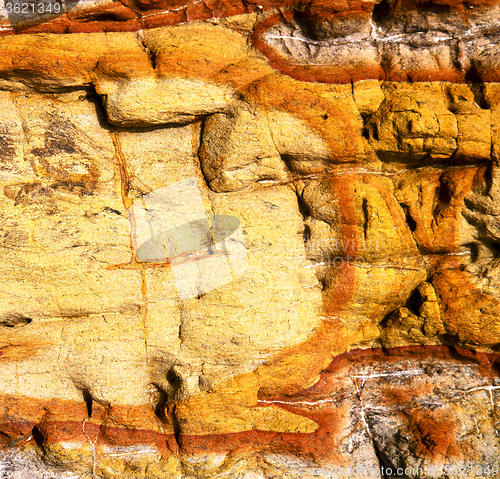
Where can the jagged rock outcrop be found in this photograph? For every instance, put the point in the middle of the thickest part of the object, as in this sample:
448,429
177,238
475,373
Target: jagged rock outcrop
228,249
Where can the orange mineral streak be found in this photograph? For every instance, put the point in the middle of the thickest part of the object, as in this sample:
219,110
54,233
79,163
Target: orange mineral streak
132,15
135,15
301,365
469,313
309,73
61,421
12,351
434,201
436,430
124,176
136,265
337,122
133,264
341,130
337,297
367,68
435,433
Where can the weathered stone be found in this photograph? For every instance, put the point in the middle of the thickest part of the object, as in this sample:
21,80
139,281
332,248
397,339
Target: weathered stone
162,101
219,263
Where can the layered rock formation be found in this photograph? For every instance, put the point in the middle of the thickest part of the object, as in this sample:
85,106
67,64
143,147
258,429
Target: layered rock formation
242,247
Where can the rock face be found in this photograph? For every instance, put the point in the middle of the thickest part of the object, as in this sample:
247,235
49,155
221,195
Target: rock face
250,244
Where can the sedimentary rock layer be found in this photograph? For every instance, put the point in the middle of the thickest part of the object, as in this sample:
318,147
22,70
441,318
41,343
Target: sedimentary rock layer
331,42
349,318
413,410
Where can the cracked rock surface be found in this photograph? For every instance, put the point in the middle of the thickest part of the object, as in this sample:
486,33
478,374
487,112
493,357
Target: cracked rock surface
333,302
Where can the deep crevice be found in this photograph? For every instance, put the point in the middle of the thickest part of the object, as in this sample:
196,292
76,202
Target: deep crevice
307,234
172,414
479,95
198,153
385,463
151,54
38,437
161,402
304,210
473,75
100,109
412,224
366,218
87,397
14,320
174,379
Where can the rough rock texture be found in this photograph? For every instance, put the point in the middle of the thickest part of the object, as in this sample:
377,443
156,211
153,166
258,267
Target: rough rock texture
242,247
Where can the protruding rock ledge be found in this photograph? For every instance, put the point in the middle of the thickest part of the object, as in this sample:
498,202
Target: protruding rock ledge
319,41
392,41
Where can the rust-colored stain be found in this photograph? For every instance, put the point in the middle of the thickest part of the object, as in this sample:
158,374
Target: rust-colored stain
339,127
337,297
374,69
19,352
435,431
134,15
122,165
